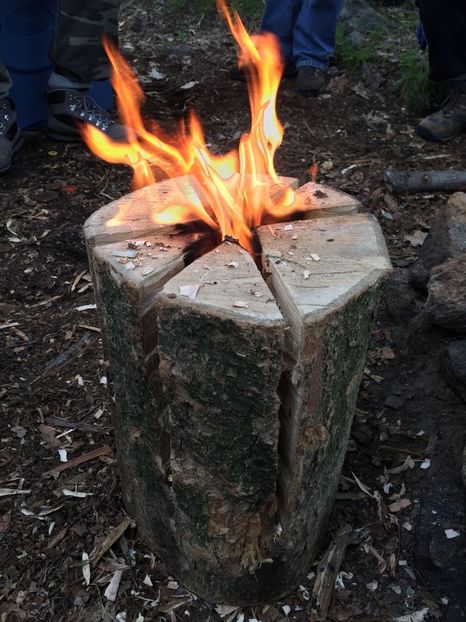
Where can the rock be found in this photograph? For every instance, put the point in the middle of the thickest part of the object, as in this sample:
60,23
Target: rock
399,296
359,19
446,302
371,76
454,366
392,401
447,238
463,471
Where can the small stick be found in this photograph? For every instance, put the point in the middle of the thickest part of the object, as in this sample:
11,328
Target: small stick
425,181
91,455
60,422
109,541
329,567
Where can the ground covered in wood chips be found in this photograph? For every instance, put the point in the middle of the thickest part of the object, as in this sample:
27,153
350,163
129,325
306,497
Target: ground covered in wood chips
402,477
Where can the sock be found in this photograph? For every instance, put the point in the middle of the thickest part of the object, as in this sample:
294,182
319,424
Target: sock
58,82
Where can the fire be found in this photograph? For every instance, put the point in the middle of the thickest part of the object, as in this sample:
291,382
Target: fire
236,187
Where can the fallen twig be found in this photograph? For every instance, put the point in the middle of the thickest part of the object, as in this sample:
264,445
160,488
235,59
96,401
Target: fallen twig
91,455
109,541
60,422
425,181
329,567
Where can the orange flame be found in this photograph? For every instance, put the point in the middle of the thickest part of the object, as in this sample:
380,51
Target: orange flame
236,187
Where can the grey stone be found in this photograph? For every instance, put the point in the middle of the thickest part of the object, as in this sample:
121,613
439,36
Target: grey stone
394,402
399,296
447,238
359,19
446,302
454,366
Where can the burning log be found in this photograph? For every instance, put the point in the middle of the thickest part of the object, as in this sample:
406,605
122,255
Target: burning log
235,382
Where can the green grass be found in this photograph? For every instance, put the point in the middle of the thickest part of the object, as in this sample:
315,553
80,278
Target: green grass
353,57
416,89
246,8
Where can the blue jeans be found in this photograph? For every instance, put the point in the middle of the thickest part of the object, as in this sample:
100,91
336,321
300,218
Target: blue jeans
306,29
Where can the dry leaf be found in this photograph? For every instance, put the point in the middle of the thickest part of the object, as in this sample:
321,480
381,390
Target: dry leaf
189,85
416,238
416,616
86,568
75,493
5,492
451,533
399,505
112,588
407,464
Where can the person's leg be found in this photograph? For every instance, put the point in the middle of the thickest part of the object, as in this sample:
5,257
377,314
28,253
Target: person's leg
314,32
77,50
5,81
444,28
10,135
314,42
278,18
79,59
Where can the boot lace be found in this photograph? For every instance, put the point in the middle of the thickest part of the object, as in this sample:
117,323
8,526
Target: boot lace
455,100
88,111
5,116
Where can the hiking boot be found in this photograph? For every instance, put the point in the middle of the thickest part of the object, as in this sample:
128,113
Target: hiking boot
447,122
10,134
310,80
71,109
239,73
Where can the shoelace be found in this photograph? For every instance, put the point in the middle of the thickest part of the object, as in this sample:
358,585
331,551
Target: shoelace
5,116
89,111
453,101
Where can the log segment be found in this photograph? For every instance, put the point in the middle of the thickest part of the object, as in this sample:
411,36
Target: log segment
127,276
221,340
326,276
235,388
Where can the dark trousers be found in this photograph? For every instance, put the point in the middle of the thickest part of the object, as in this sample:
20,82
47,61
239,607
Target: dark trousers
444,24
77,46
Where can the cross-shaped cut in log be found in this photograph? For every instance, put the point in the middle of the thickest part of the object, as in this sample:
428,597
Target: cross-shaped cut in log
235,388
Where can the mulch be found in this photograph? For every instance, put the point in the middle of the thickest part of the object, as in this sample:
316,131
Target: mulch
66,539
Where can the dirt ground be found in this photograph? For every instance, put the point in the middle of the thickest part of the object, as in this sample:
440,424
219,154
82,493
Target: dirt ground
409,429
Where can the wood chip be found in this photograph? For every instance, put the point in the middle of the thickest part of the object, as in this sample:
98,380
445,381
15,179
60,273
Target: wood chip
190,291
241,304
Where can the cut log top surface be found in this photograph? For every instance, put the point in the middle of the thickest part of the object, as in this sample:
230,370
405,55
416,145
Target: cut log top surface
225,281
329,260
142,262
332,201
135,210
